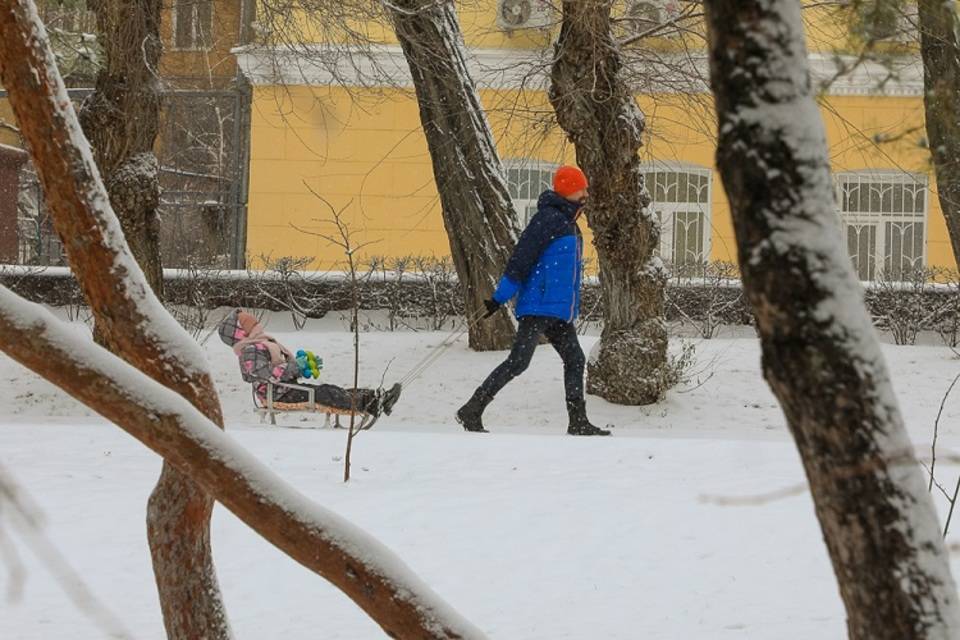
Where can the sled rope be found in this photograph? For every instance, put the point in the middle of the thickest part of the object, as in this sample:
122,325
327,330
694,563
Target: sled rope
436,352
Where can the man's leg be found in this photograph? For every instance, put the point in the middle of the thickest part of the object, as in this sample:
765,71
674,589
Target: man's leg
524,344
563,337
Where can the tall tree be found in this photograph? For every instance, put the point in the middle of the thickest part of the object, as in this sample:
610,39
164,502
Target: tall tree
477,211
596,109
176,413
121,120
940,49
821,356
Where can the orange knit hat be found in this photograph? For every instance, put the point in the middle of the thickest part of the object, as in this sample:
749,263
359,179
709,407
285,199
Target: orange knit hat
569,180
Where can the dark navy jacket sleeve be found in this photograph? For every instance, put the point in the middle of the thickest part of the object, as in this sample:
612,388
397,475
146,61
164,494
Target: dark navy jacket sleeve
546,225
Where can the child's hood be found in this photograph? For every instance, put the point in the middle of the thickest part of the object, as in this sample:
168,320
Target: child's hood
237,326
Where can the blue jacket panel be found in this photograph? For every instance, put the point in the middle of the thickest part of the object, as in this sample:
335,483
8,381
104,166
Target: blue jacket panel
546,267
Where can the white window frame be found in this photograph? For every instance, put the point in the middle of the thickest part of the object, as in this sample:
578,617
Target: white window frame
667,210
881,195
523,196
667,10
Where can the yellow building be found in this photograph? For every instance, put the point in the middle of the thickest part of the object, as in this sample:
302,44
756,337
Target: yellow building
328,130
362,147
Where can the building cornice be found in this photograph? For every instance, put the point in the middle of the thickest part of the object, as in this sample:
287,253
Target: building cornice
385,66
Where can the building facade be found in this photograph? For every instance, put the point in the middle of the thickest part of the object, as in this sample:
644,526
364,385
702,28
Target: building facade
347,128
362,147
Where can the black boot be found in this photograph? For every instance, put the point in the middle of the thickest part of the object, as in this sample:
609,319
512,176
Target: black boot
389,398
470,414
579,424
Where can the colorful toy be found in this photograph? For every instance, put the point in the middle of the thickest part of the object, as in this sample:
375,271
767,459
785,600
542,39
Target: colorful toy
310,365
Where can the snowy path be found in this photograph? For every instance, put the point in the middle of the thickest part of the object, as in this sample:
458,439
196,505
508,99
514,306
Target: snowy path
530,534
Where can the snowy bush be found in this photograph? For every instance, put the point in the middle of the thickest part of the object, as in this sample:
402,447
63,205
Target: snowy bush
190,299
947,322
706,296
900,306
912,303
422,292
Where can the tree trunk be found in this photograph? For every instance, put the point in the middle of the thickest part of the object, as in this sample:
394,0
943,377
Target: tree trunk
940,50
597,111
122,119
178,529
477,211
821,356
158,412
353,561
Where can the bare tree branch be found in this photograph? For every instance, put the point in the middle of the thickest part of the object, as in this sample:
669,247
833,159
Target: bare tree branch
373,577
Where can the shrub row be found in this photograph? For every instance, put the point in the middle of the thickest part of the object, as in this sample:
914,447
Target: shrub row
422,293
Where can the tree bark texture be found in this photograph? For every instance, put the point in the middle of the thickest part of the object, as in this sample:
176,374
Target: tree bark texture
182,429
121,119
596,109
477,211
372,576
821,356
940,50
129,318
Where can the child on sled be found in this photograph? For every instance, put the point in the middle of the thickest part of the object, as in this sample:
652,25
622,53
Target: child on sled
263,359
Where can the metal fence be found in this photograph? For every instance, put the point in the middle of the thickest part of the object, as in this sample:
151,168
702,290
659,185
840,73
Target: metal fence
203,149
203,153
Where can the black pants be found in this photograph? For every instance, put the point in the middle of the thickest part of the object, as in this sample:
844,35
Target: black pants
562,335
330,395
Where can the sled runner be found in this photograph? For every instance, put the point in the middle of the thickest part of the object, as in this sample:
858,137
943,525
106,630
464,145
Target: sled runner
271,407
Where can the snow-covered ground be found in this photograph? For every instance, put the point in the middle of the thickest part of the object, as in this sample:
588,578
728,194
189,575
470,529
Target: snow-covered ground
529,533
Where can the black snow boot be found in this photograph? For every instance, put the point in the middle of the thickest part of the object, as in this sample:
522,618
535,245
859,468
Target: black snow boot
470,414
389,398
579,424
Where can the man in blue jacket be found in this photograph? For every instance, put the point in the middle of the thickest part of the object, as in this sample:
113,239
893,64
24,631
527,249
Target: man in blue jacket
544,273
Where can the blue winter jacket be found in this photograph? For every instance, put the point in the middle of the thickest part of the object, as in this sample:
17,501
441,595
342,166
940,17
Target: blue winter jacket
547,264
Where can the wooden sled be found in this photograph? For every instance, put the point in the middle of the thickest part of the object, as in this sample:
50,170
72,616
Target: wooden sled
272,407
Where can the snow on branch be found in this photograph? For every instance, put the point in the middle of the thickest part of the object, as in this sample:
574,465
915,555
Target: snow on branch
111,279
355,562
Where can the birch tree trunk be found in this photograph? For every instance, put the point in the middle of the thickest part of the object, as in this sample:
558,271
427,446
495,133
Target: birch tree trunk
821,356
477,211
178,513
940,50
596,109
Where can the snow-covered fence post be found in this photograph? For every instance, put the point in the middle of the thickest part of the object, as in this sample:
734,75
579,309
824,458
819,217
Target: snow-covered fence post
821,356
128,315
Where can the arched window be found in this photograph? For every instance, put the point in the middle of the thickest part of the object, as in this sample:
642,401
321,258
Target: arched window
527,178
883,215
681,201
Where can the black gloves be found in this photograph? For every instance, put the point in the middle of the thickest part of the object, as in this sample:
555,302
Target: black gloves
492,307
